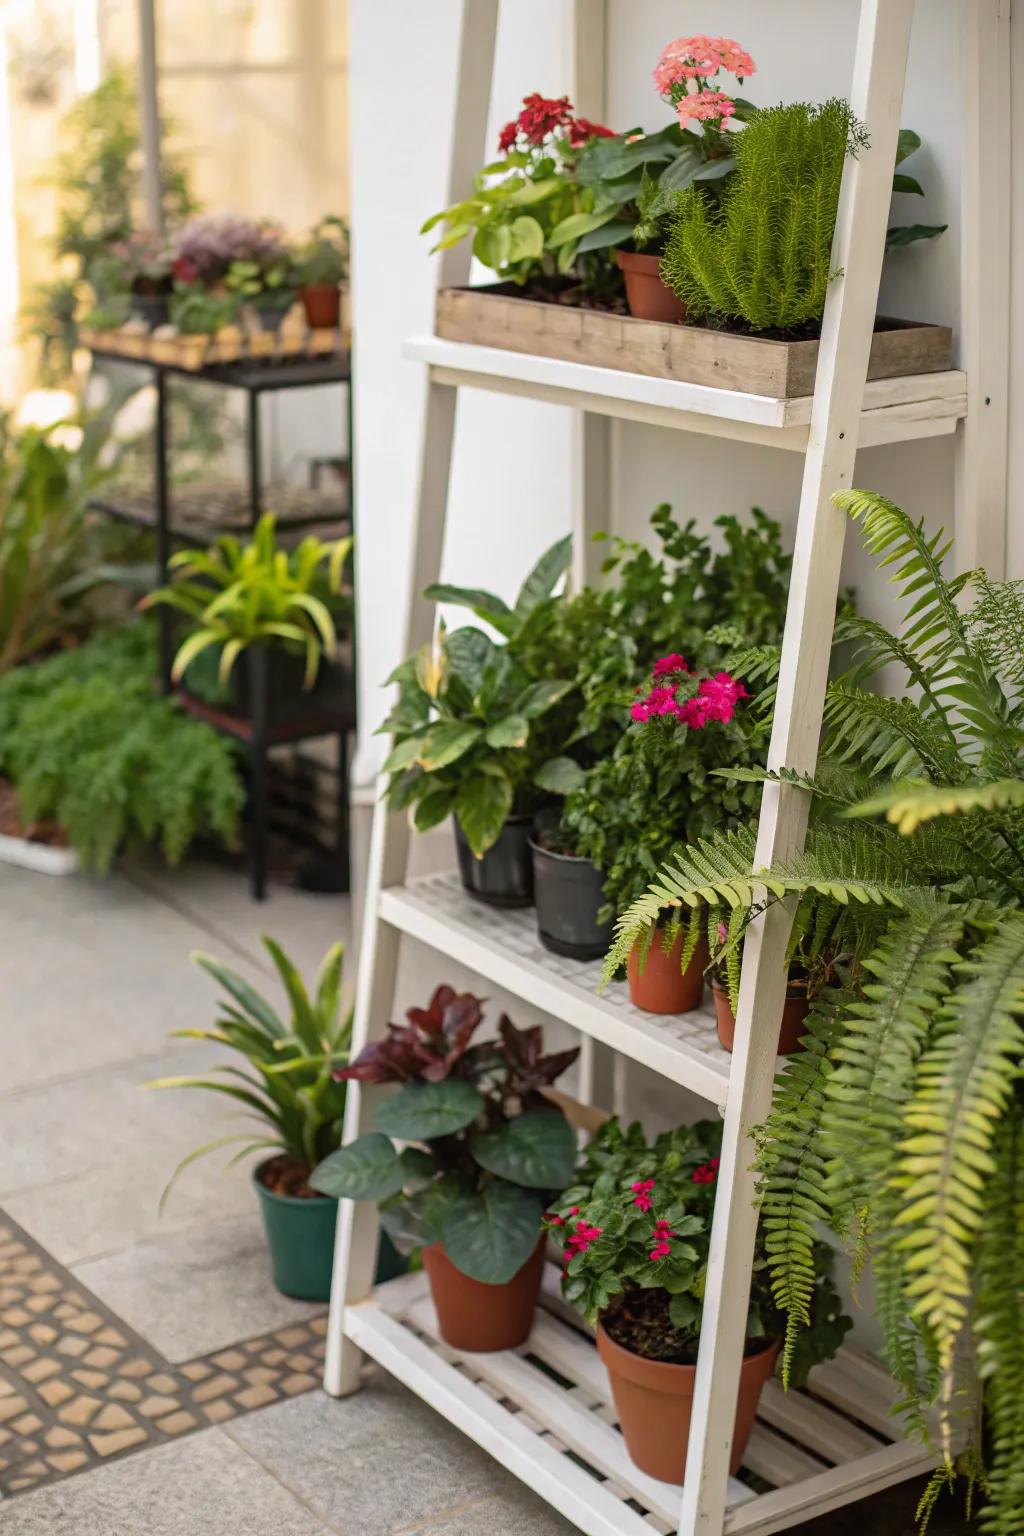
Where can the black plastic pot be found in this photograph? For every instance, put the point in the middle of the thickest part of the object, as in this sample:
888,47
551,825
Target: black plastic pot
151,307
504,876
286,673
270,317
569,893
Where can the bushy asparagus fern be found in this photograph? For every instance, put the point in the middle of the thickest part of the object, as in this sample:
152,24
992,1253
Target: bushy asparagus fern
902,1122
760,256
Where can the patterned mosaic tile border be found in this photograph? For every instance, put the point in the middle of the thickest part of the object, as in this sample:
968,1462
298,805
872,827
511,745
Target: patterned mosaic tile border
79,1388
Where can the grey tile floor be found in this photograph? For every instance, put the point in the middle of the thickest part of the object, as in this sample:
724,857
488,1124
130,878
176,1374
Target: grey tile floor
93,976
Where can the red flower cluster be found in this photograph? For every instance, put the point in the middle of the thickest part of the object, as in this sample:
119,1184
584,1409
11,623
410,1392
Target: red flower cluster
706,1173
642,1189
184,270
545,115
716,697
580,1240
661,1237
559,1221
666,665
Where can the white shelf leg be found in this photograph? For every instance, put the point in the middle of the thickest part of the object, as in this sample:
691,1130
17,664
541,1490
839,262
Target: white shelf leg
876,97
985,204
355,1253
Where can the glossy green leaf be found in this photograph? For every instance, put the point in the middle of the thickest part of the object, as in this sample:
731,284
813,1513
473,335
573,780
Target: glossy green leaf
510,732
367,1169
544,577
446,742
539,697
559,775
490,1236
909,234
904,183
537,1149
423,1111
483,804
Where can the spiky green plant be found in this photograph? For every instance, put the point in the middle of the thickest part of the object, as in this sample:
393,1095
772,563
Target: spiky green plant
902,1124
761,255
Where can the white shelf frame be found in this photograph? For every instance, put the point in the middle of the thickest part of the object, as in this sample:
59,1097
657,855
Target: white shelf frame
843,413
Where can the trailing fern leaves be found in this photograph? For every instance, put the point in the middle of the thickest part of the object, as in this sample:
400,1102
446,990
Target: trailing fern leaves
999,1326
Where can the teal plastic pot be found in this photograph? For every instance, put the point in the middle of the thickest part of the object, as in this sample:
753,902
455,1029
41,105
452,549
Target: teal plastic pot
300,1236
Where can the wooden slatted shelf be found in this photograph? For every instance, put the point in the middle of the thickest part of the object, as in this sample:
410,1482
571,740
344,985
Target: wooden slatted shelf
545,1412
503,946
894,410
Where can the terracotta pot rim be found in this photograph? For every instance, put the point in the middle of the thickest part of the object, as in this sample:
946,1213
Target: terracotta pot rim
640,261
795,993
662,1375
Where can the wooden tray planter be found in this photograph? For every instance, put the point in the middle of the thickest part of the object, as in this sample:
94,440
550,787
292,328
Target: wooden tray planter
232,344
494,316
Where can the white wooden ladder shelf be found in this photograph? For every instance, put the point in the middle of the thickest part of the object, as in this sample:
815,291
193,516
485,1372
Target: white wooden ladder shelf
544,1411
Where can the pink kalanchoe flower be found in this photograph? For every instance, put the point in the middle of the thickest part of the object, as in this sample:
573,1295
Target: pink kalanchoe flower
721,694
705,107
700,58
674,662
642,1190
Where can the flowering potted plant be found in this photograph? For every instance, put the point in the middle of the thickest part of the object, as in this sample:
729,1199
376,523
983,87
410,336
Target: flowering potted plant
322,266
529,211
477,731
292,1090
634,1230
628,809
145,260
207,246
635,177
485,1150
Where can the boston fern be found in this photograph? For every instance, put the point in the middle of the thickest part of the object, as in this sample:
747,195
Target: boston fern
902,1124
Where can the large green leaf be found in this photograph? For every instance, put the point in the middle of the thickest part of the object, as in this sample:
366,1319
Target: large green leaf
367,1169
539,697
483,805
252,1003
579,224
447,741
537,1149
907,143
423,1111
908,234
901,182
540,583
490,1236
559,775
616,233
510,732
679,173
486,604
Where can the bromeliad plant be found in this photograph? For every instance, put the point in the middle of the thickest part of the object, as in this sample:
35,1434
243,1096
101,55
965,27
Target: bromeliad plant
291,1086
485,1149
902,1125
634,1230
476,729
257,594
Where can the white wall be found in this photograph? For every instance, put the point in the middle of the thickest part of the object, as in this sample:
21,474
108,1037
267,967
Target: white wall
510,480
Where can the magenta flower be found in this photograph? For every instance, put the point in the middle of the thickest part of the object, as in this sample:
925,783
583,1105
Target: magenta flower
721,694
706,1173
661,1237
642,1190
580,1240
671,663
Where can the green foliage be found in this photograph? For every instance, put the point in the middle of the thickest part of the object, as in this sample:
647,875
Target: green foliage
638,1220
488,1149
324,259
900,1124
760,256
44,492
88,744
196,312
900,235
265,285
289,1087
477,724
256,594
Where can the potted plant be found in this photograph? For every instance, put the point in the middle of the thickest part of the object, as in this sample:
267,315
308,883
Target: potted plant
477,732
322,266
197,313
529,212
634,1229
292,1089
146,260
268,286
903,1127
484,1151
635,177
659,777
242,596
207,245
569,894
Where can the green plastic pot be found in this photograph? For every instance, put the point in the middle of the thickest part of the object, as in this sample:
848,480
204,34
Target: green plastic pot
300,1236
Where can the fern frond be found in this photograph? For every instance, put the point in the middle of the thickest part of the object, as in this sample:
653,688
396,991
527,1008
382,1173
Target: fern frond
890,735
964,1082
791,1169
999,1327
909,804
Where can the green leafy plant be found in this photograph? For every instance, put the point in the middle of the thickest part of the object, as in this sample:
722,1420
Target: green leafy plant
197,312
900,1124
89,745
256,594
476,730
45,488
900,235
529,210
290,1086
635,1229
485,1149
323,260
270,286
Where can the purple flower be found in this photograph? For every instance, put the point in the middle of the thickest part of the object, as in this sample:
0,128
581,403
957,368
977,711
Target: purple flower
209,244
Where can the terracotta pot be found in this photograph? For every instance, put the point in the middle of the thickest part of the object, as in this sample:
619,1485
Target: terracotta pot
654,1402
794,1014
647,296
479,1317
662,987
322,303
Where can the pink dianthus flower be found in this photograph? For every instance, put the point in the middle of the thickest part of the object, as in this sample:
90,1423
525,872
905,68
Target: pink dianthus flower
673,662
